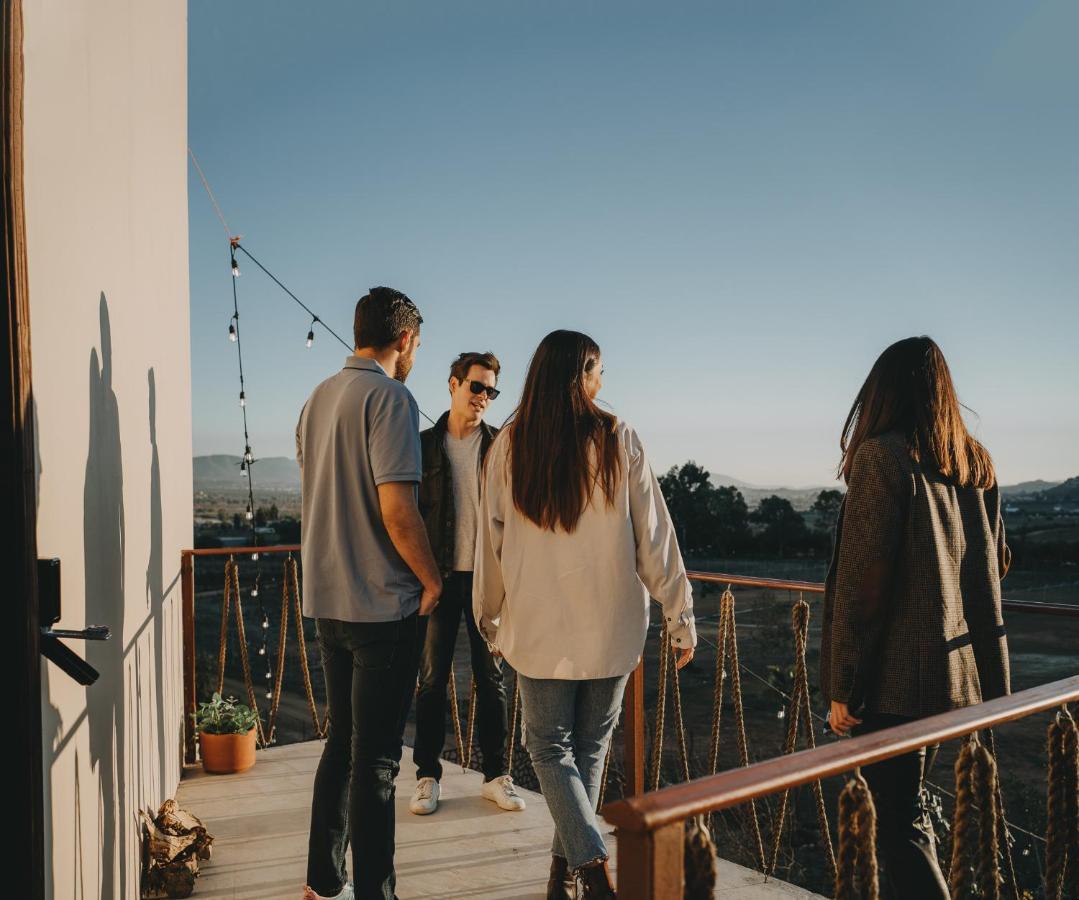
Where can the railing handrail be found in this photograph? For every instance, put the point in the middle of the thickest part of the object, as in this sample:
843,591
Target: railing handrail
817,587
719,578
774,584
650,811
228,551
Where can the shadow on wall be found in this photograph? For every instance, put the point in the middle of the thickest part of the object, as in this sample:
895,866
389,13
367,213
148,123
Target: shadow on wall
103,556
52,724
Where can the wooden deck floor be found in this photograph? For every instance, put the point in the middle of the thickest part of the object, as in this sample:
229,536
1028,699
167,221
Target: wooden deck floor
469,848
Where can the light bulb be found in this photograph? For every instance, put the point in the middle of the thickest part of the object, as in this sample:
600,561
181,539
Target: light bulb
243,466
265,623
243,399
254,557
254,592
262,651
310,337
269,695
249,515
232,332
267,674
248,456
235,268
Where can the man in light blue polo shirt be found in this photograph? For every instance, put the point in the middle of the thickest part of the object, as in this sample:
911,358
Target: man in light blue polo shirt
368,574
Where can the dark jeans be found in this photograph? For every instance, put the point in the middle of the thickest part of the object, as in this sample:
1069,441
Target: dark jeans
906,848
370,674
441,638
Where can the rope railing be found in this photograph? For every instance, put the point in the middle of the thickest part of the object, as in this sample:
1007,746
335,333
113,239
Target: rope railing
979,811
647,825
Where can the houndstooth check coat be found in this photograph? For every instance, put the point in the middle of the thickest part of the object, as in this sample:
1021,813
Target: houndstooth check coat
912,618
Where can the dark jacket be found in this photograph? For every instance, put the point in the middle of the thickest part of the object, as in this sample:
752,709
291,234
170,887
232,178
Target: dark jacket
912,618
436,489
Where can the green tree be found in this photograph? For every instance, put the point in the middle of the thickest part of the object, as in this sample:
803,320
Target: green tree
730,521
688,491
826,509
784,530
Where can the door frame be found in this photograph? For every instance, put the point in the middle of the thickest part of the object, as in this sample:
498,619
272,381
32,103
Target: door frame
18,490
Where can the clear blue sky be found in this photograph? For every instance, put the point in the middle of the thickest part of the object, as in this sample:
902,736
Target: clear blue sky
743,203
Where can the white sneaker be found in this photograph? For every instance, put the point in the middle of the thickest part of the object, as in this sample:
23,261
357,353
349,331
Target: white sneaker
501,790
347,893
425,798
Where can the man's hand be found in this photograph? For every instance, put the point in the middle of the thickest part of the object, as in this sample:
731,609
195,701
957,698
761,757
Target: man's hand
429,600
682,657
401,516
840,720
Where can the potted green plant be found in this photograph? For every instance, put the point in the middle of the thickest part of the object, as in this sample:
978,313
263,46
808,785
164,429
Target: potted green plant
226,731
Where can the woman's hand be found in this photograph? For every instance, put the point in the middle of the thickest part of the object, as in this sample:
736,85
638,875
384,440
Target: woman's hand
840,720
682,656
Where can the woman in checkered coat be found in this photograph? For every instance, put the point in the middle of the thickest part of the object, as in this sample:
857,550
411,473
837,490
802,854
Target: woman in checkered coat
912,616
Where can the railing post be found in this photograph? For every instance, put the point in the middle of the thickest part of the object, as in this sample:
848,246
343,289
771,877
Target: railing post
651,865
633,732
187,587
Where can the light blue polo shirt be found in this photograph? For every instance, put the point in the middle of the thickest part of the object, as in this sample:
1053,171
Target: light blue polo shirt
359,429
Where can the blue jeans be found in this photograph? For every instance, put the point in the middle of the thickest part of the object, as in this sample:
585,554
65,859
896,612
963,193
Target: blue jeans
567,729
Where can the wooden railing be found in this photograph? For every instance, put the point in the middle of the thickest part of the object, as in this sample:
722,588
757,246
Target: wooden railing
650,826
634,749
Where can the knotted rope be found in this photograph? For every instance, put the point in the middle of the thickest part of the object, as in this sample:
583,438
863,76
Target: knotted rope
1062,833
515,714
699,860
727,649
1004,835
799,710
976,788
661,710
471,724
232,589
856,870
290,590
455,714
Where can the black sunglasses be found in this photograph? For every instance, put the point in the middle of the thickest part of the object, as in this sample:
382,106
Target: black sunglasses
478,387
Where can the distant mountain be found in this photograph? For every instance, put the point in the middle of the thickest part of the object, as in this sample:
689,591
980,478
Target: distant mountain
1067,490
223,471
800,498
1025,488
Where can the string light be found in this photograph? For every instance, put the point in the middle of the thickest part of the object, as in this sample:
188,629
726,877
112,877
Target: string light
236,245
249,515
236,273
243,399
232,330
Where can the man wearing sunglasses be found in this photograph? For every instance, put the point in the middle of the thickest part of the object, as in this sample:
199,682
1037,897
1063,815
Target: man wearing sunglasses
453,453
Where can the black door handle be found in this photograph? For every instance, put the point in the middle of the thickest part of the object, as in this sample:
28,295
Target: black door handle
48,572
89,633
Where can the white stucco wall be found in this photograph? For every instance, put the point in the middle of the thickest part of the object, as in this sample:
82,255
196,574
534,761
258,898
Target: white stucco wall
106,208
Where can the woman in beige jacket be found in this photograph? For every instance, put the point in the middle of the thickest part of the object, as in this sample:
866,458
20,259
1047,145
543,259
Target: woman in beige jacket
574,536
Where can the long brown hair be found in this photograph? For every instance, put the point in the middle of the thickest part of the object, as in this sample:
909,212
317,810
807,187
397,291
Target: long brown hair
553,434
910,390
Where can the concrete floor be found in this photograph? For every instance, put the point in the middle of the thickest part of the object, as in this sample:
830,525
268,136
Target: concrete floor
469,848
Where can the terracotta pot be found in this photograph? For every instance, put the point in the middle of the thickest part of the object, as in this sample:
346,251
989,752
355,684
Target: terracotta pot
226,754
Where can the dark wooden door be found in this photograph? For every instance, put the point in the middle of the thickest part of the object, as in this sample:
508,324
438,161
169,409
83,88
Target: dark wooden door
18,501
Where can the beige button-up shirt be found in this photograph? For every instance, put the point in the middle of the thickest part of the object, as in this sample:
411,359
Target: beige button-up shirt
576,606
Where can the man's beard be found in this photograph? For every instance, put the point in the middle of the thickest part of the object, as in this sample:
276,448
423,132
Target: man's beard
402,367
